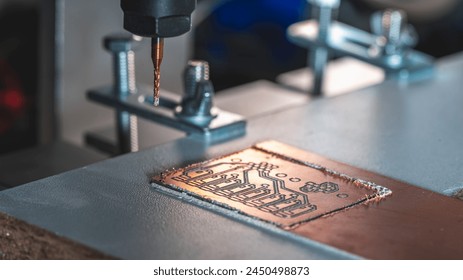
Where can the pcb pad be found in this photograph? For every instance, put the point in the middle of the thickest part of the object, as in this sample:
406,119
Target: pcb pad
272,187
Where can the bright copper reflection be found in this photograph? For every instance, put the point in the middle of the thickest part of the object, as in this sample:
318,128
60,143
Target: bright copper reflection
270,186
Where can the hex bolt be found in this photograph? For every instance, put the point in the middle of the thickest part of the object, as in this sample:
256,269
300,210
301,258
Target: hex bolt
121,46
391,26
195,72
203,101
197,102
393,23
323,11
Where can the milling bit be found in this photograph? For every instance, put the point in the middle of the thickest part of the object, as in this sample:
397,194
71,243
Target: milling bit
157,46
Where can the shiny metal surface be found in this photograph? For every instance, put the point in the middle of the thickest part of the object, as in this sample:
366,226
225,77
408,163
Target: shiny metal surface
346,40
343,206
194,115
409,223
407,132
334,4
324,13
270,97
266,182
198,97
157,54
121,46
225,126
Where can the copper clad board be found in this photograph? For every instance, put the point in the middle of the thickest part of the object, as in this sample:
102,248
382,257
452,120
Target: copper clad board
340,205
273,187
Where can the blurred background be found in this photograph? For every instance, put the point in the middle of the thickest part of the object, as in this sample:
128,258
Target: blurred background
51,53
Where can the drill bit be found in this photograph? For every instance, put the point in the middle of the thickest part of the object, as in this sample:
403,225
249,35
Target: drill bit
157,47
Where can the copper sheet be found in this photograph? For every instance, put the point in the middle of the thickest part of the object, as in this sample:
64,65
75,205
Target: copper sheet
411,223
272,187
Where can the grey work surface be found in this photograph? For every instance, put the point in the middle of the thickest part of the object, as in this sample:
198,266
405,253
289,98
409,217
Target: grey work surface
411,133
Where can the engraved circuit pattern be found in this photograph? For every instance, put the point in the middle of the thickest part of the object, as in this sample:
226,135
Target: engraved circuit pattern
270,194
271,187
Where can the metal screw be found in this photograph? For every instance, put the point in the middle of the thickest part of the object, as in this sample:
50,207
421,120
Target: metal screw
203,100
196,71
323,10
197,101
393,23
392,26
121,46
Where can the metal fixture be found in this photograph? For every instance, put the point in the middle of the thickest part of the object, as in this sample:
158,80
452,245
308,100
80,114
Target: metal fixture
324,11
395,35
197,102
121,46
195,114
389,47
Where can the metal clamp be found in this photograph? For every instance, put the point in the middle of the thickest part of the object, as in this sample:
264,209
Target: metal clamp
195,114
389,47
122,47
197,104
